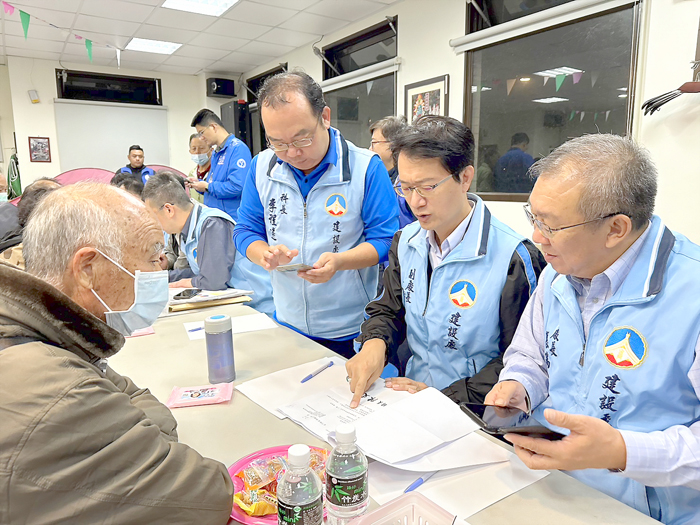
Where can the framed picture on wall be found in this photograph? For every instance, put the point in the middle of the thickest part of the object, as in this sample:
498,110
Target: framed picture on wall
39,149
429,97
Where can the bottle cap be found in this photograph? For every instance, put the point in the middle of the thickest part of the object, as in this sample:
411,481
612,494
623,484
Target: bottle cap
217,323
345,433
299,455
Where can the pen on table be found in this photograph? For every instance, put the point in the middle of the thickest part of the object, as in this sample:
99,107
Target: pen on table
316,372
196,329
419,481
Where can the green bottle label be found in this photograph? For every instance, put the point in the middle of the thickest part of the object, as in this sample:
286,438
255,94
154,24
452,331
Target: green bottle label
347,492
309,514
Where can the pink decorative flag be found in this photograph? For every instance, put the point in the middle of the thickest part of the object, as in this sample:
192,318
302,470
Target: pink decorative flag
577,77
78,37
9,9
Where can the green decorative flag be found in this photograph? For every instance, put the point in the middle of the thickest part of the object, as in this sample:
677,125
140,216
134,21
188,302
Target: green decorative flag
25,22
560,80
88,46
595,117
571,117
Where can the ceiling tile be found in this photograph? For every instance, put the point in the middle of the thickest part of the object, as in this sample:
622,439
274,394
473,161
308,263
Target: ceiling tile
142,57
311,23
237,29
211,53
166,34
116,9
35,44
179,19
105,26
31,53
299,5
220,42
263,48
84,59
57,18
38,30
246,58
147,2
288,38
349,11
178,69
69,6
227,67
261,14
198,63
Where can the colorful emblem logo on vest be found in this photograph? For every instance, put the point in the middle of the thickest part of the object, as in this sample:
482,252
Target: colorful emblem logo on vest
625,348
463,294
336,205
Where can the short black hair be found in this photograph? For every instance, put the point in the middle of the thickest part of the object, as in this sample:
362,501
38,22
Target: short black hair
205,117
275,88
32,195
519,138
135,147
436,137
390,126
166,187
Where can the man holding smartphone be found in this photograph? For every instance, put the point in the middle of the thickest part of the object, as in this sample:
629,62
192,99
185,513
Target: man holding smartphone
607,347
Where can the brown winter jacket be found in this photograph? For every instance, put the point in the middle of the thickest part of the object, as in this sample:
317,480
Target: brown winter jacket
81,446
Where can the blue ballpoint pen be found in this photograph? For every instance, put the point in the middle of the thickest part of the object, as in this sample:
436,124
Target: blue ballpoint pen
316,372
419,481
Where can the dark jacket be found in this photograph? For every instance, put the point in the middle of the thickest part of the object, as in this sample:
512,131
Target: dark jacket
386,320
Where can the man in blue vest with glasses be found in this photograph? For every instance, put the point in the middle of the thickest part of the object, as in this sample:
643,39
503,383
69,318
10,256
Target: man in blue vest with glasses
607,348
315,199
458,279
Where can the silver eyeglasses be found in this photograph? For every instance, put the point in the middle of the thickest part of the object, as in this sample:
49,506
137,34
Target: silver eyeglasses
423,191
548,232
301,143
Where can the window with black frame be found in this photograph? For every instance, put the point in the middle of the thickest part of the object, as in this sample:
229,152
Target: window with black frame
354,108
531,94
253,85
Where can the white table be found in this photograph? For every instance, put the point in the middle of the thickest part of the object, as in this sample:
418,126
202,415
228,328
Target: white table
227,432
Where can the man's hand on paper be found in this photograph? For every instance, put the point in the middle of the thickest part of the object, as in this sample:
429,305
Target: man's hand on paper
404,383
182,283
508,394
365,368
277,255
325,268
593,443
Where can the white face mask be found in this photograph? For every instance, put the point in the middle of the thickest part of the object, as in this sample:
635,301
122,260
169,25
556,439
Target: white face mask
201,159
150,299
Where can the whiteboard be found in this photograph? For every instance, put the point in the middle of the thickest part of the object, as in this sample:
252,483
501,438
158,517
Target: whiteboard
98,134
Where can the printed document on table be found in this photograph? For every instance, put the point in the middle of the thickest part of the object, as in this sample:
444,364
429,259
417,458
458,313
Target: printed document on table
391,426
275,390
462,492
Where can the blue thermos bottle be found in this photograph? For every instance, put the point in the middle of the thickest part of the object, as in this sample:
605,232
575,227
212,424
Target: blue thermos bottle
219,335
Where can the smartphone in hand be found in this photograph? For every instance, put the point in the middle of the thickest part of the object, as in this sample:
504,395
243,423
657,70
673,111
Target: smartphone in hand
294,268
499,421
188,293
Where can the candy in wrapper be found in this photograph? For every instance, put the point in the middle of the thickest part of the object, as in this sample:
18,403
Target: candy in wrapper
256,502
260,472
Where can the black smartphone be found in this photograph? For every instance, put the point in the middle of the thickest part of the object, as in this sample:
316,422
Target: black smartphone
499,421
188,293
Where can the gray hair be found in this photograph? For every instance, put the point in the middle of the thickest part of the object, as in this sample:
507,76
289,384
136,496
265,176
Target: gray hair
618,175
67,220
390,126
166,187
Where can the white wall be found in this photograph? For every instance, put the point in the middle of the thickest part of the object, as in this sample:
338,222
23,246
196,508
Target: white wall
7,123
423,44
183,95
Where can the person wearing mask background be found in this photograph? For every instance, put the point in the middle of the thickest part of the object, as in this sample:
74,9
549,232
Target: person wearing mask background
229,164
384,131
136,165
80,443
200,153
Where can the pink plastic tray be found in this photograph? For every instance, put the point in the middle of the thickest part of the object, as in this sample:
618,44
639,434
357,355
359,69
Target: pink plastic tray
236,513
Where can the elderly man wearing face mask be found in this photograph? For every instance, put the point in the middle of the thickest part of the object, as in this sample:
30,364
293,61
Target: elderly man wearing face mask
200,152
78,441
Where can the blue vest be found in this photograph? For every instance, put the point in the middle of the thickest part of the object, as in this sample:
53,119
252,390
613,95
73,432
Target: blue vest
330,220
146,173
632,371
453,321
244,274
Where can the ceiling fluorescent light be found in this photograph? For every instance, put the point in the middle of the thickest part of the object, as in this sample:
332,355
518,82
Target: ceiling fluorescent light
202,7
152,46
624,95
525,79
622,89
563,70
550,100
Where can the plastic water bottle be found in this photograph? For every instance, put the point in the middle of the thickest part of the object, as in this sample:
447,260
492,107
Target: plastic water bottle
299,491
347,493
219,336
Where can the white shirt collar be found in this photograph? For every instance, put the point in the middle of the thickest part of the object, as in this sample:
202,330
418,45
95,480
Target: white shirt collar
437,255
